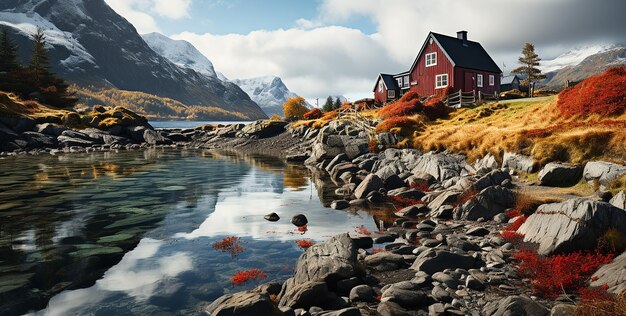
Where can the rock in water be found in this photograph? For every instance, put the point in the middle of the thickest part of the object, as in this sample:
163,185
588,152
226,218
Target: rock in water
329,262
557,175
371,183
241,304
571,225
272,217
299,220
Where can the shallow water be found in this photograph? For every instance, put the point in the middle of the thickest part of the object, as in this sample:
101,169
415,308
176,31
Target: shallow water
190,124
132,232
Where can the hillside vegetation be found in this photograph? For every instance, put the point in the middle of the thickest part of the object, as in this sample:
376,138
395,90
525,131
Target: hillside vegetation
152,106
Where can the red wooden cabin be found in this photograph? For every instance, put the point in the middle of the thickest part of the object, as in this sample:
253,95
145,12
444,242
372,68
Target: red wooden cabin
442,62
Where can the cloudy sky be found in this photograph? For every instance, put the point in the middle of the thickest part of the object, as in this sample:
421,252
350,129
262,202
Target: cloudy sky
322,47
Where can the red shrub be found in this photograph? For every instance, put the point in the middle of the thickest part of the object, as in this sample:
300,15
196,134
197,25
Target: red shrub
594,294
244,276
372,146
313,114
512,237
303,229
304,243
434,109
603,94
510,232
363,230
420,186
377,250
551,275
229,244
513,213
408,104
513,227
401,202
399,121
466,196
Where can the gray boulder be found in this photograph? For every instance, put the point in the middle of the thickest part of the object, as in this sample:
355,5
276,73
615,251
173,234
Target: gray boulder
558,175
39,140
304,295
342,168
612,274
518,162
407,298
515,305
264,128
441,166
330,261
445,198
241,304
371,183
493,178
349,311
572,225
602,172
432,261
486,204
67,141
335,161
19,124
619,200
487,162
153,137
50,129
385,261
362,293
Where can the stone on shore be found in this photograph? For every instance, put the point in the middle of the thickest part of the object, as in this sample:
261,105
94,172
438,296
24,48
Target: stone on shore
441,166
432,261
486,204
241,304
602,172
558,175
612,274
515,305
371,183
572,225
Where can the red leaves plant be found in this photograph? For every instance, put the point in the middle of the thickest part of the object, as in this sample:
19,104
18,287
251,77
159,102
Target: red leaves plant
434,109
550,276
304,243
363,230
395,122
244,276
401,202
603,94
313,114
408,104
513,213
229,244
510,232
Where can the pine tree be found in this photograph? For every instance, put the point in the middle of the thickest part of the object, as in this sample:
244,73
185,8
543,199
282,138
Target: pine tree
8,53
529,61
328,106
39,64
337,103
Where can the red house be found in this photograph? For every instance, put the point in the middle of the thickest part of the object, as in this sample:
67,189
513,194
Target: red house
443,62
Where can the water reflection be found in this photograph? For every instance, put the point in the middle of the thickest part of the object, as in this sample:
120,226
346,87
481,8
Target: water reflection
131,232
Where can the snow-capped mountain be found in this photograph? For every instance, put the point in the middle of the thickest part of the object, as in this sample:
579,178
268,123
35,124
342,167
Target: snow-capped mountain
582,63
90,44
268,92
181,53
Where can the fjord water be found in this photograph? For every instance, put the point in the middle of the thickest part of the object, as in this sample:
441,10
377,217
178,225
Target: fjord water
131,232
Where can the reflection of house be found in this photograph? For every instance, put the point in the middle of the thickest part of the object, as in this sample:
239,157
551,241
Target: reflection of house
443,62
510,82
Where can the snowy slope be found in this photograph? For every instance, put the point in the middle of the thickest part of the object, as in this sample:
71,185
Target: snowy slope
27,24
268,92
181,53
573,57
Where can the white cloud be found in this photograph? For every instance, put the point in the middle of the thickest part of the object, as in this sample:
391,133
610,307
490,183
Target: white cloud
323,61
173,9
141,12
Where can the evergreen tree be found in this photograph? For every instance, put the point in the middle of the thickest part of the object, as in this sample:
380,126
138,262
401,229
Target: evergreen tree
328,106
39,64
529,62
337,103
8,53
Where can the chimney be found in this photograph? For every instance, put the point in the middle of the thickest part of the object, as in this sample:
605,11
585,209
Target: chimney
462,35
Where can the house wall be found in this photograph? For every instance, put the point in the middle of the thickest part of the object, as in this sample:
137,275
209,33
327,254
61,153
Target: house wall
380,97
461,83
425,76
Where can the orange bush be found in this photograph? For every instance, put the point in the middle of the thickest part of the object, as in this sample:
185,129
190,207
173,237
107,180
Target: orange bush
434,109
313,114
399,121
408,104
304,243
229,244
295,108
244,276
603,94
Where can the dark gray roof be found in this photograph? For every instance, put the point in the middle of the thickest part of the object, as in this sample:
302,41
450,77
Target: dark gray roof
390,82
472,56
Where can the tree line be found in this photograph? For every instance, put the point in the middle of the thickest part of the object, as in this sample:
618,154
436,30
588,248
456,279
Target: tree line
34,81
330,105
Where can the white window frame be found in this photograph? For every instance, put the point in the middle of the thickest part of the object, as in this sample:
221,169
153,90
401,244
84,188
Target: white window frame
479,80
405,81
391,94
399,80
492,80
431,59
439,81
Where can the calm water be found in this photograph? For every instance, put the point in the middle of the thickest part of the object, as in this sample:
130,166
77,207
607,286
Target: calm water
132,232
190,124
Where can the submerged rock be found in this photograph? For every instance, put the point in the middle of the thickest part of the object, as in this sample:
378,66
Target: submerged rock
272,217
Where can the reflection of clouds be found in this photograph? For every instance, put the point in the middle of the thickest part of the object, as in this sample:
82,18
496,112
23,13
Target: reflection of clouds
137,275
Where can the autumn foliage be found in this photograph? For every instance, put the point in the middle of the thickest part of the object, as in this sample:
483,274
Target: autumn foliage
550,276
402,202
395,122
304,243
434,108
231,245
408,104
295,108
604,95
244,276
313,114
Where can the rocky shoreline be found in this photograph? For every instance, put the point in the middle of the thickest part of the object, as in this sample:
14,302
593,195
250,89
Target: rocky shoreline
443,255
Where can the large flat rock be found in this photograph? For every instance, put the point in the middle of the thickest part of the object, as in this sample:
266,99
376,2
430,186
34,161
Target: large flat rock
571,225
613,275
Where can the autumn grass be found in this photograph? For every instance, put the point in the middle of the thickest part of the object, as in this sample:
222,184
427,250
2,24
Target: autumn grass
11,105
